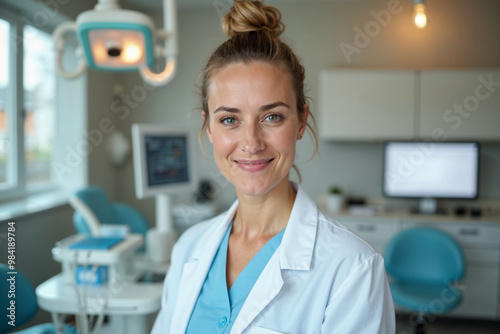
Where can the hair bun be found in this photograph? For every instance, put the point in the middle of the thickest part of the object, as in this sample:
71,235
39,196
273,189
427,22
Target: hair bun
248,15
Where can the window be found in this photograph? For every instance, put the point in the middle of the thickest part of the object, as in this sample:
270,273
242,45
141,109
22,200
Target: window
39,105
4,95
27,108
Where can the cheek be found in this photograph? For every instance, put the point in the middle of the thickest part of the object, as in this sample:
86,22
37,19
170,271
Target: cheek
223,144
285,141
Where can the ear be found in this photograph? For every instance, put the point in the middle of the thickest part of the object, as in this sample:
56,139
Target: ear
209,133
303,122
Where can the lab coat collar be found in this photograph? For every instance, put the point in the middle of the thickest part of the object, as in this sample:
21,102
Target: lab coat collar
297,246
195,271
295,253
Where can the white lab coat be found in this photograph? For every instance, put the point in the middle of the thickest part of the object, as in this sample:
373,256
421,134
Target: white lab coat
321,279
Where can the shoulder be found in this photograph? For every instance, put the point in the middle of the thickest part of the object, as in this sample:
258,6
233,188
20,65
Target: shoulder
342,246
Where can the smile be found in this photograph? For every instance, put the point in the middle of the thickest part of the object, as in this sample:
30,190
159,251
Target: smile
253,165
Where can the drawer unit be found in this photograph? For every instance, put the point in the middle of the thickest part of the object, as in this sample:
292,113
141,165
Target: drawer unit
468,234
377,232
480,293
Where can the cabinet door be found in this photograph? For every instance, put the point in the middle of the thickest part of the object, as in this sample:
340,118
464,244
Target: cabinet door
480,293
460,104
366,105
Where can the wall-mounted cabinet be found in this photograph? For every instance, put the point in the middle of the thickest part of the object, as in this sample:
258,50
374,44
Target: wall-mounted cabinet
373,105
464,104
366,105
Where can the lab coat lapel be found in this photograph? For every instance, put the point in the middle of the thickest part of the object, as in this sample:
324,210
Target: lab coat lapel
195,271
268,285
294,253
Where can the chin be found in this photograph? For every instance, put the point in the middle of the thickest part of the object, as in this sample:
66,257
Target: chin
256,187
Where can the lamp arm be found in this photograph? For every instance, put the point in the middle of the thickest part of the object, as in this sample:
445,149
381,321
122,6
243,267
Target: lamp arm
170,50
58,37
159,79
107,5
170,26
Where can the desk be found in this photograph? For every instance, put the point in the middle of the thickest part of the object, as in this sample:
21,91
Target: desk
130,306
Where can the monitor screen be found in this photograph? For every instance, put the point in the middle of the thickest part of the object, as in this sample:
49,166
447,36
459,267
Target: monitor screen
166,159
431,170
162,160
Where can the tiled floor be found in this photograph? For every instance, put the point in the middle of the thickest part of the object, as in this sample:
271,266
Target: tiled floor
449,326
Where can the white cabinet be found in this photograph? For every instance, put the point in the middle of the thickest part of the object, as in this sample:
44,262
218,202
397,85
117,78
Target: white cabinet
480,242
435,105
366,105
464,104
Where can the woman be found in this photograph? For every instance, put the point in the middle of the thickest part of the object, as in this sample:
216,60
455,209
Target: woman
273,263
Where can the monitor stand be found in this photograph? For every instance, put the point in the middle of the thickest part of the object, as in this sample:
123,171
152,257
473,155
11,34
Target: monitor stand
428,206
160,240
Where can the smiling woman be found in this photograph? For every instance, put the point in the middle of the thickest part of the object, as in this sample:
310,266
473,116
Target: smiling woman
272,263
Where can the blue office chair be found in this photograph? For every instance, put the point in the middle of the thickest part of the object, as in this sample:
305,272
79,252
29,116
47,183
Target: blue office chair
93,208
25,305
422,264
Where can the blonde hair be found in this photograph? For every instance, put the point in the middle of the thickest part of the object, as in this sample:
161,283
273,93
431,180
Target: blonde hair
253,30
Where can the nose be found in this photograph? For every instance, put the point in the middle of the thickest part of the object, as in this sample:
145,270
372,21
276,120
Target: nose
252,141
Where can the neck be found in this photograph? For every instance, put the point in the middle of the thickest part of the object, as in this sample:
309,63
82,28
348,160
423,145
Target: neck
266,215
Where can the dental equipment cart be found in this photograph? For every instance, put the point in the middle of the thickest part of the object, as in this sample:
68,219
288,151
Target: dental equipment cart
122,303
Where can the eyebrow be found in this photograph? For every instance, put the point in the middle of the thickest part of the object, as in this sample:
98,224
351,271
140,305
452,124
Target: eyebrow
261,109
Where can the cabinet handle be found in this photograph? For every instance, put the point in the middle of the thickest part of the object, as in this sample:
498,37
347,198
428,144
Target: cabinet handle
366,228
469,231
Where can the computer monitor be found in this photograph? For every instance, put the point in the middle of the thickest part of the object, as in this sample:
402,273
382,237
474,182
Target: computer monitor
430,170
163,165
163,160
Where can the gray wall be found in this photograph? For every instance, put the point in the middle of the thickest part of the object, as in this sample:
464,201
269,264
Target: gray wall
460,34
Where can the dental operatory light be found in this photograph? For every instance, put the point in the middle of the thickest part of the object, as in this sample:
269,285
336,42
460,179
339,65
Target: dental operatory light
115,39
420,14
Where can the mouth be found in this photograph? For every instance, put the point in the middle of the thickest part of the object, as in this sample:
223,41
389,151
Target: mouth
253,165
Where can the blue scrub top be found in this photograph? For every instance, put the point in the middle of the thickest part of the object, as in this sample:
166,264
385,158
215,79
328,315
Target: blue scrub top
216,310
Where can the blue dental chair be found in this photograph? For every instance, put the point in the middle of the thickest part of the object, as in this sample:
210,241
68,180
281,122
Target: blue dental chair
422,264
93,208
25,306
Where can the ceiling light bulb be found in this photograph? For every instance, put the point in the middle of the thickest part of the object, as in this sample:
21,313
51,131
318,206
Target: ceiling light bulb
420,15
132,54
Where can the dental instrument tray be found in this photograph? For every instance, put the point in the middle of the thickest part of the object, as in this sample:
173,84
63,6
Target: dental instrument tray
82,250
95,243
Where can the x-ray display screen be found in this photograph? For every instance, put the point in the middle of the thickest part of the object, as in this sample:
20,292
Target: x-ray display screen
167,160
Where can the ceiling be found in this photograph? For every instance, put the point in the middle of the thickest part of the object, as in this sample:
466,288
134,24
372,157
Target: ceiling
158,4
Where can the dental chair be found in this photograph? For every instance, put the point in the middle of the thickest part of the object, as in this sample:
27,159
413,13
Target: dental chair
25,306
423,264
93,208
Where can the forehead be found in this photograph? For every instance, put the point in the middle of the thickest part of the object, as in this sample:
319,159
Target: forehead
250,85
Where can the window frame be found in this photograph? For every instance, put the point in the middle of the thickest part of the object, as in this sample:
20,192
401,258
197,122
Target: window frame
16,187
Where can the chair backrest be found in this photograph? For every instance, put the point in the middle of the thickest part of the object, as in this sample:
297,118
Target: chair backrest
25,299
424,255
93,204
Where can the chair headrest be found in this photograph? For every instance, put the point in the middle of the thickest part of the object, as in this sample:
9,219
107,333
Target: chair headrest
93,203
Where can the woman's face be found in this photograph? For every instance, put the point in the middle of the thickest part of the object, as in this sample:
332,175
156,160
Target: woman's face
253,125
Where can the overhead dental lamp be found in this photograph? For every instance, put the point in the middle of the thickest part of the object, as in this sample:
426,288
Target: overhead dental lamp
115,39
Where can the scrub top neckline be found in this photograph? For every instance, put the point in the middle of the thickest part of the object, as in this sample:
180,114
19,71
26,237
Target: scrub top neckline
252,270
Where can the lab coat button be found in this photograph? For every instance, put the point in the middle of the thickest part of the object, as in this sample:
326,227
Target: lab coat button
222,321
